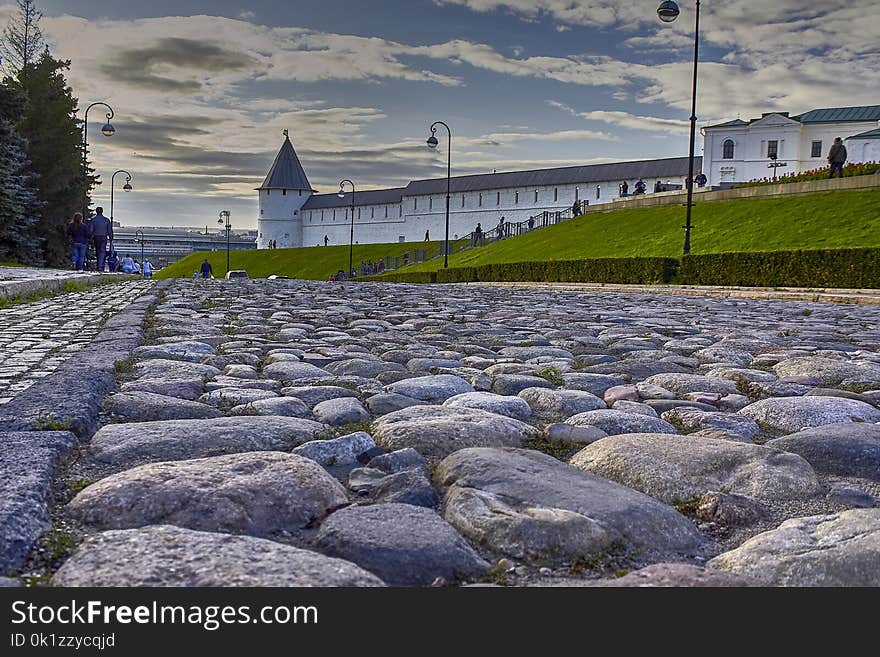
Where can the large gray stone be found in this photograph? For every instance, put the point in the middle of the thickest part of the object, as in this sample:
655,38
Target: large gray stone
408,486
228,398
682,384
339,451
678,575
388,402
259,493
848,450
362,367
313,395
829,370
596,384
513,384
282,406
342,411
402,544
529,505
678,469
173,370
507,405
561,403
147,406
27,467
832,550
167,556
294,371
691,420
437,431
190,389
616,422
126,445
187,350
790,414
432,389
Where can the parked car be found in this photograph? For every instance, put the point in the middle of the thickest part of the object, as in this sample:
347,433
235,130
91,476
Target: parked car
279,277
236,273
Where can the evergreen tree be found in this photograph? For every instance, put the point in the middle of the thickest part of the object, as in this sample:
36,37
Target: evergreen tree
22,38
19,203
54,137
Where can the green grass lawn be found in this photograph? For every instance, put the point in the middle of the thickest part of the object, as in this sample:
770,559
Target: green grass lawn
823,220
316,262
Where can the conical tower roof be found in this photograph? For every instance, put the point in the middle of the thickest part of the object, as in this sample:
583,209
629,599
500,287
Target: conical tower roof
286,171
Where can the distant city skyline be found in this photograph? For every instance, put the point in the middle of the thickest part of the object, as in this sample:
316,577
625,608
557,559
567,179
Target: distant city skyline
203,90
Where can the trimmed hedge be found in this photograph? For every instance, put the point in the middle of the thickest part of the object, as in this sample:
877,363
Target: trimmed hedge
840,268
604,270
831,268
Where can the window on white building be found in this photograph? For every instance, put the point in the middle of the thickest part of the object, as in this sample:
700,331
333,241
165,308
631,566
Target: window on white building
462,200
772,149
536,196
386,211
498,198
334,215
283,192
727,149
816,149
372,213
516,198
598,191
431,203
415,204
480,201
555,194
359,213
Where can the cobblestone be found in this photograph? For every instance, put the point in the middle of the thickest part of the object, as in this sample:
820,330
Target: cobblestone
355,345
37,337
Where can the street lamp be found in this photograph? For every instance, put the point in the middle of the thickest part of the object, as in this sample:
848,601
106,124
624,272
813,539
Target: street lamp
351,237
668,11
433,142
225,215
139,238
126,187
107,130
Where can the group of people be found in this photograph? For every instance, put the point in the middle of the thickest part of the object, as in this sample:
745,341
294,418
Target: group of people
99,231
273,244
371,268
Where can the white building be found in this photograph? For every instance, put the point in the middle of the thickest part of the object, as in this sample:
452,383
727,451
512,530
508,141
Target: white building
293,215
739,151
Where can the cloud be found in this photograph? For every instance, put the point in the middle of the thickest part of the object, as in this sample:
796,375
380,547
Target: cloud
247,14
627,120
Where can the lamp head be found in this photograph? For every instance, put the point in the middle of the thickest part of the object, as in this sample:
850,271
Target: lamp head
341,193
668,11
108,130
433,142
127,187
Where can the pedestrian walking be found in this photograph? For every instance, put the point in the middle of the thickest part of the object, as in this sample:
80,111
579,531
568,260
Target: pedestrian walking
624,189
837,157
79,237
326,240
101,229
147,268
531,223
478,235
207,270
501,225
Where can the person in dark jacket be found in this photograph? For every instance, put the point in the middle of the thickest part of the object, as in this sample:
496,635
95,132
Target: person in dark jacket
207,270
102,232
837,157
79,236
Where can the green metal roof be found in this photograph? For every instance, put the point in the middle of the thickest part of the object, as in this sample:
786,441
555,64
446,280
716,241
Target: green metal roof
840,114
728,124
871,134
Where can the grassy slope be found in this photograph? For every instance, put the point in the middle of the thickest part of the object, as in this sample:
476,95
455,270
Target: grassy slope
814,221
316,262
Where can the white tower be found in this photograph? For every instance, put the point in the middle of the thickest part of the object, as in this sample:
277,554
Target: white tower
282,195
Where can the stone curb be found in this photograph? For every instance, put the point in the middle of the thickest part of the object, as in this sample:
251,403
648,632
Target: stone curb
857,297
28,286
72,394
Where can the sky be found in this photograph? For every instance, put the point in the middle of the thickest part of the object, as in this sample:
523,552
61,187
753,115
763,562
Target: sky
202,90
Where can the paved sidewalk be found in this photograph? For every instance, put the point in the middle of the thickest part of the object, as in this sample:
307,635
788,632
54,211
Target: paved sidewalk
23,281
814,295
35,338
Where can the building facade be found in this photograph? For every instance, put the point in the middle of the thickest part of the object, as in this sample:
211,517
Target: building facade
293,215
166,245
741,151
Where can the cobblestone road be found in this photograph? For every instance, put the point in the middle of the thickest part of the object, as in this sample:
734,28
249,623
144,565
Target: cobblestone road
35,338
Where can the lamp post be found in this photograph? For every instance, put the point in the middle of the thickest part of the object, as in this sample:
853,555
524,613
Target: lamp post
351,236
126,187
668,11
107,130
225,215
433,143
139,238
